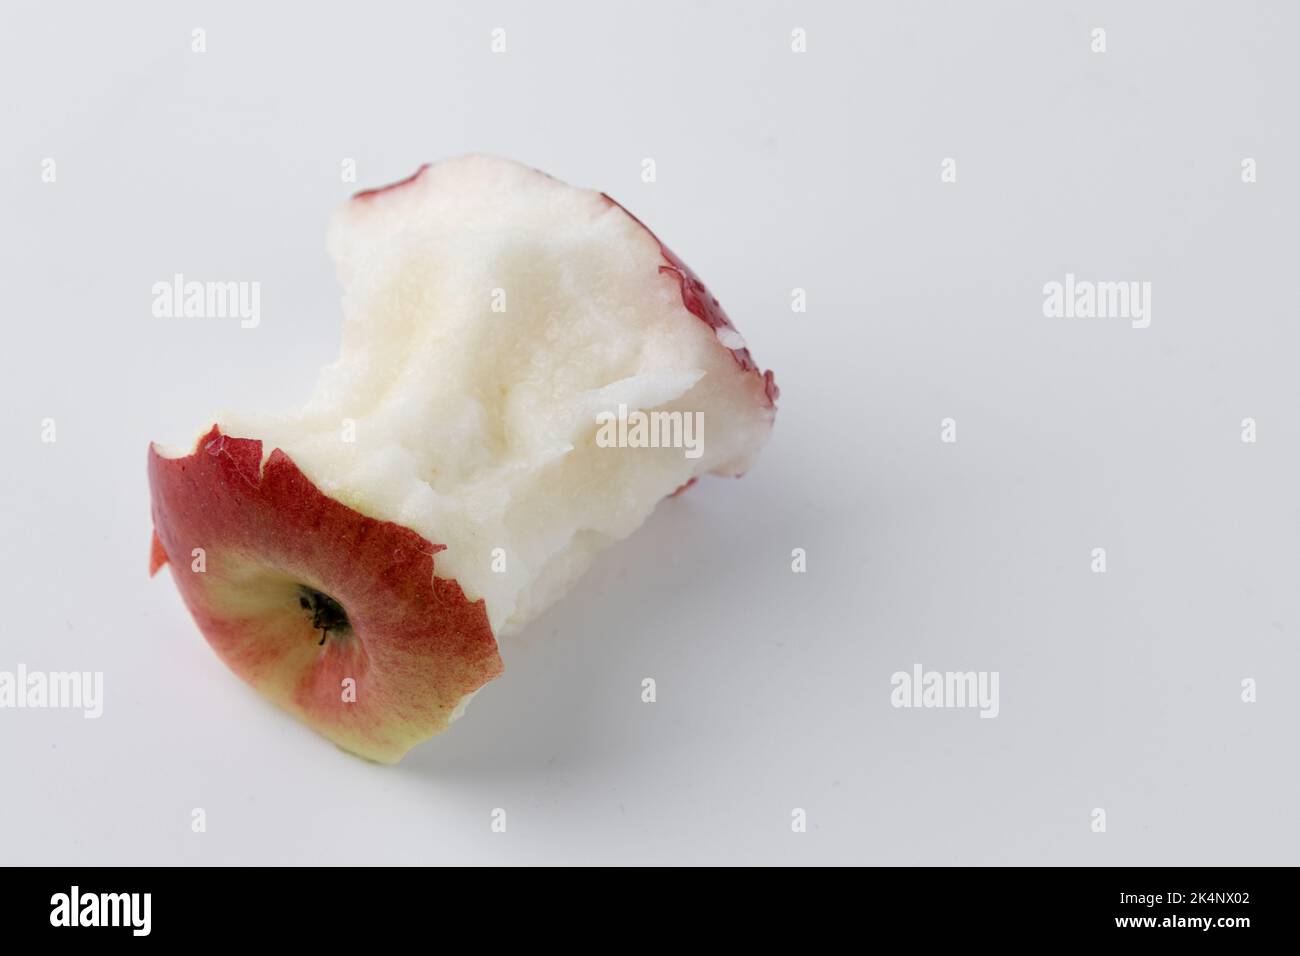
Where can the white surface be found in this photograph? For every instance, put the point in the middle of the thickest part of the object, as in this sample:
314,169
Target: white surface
775,170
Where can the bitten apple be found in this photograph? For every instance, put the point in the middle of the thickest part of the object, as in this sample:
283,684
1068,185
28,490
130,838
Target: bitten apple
362,556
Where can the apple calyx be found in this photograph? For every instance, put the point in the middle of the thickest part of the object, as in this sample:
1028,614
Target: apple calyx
327,614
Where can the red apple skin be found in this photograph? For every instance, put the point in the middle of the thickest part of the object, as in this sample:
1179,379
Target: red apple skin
416,646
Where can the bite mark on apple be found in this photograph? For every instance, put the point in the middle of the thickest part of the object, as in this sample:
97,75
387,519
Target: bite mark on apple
301,594
702,304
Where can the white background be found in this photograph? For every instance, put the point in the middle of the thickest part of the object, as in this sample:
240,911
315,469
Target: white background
776,170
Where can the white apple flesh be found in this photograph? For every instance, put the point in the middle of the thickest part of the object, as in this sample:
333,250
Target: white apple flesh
445,482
